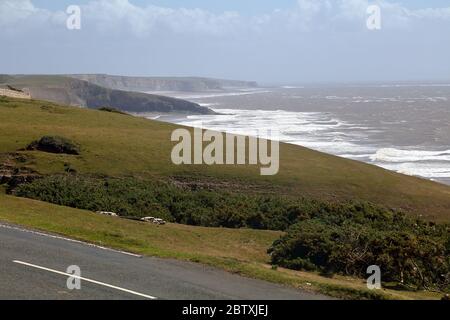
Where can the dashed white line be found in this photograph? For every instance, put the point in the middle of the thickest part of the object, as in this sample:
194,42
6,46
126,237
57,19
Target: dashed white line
86,279
68,239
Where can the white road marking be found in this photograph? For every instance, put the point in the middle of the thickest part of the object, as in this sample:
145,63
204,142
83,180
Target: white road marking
86,279
68,239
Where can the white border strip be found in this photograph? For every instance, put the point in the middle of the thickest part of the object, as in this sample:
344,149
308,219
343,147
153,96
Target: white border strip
87,280
68,239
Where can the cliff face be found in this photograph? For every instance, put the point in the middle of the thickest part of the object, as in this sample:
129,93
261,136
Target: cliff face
75,92
14,94
162,84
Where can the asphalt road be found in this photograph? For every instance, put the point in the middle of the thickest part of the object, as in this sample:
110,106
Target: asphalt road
34,265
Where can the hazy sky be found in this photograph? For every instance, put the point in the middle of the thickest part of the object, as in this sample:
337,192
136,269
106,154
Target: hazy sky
278,41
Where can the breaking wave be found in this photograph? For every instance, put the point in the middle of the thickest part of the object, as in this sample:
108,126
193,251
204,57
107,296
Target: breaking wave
324,132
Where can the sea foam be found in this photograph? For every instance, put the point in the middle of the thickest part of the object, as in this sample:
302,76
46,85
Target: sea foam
324,132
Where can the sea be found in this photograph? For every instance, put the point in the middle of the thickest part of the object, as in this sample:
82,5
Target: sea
399,127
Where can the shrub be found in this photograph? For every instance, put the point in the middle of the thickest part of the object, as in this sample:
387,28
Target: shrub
13,89
54,144
410,252
112,110
140,198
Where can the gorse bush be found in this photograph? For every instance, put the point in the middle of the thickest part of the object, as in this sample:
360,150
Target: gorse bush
347,239
131,197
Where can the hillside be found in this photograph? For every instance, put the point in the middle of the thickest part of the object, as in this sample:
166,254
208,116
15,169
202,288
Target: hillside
119,145
75,92
123,162
188,84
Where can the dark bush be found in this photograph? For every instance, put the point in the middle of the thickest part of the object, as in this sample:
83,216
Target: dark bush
13,89
139,198
112,110
54,144
410,252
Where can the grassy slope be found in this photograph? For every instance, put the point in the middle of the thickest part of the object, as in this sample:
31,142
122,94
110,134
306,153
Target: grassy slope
241,251
114,144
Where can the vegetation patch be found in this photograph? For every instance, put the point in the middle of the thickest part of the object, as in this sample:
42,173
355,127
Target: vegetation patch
14,89
329,238
54,144
7,103
133,197
52,109
348,239
112,110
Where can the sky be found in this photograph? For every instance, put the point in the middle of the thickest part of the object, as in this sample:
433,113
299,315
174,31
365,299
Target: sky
269,41
242,6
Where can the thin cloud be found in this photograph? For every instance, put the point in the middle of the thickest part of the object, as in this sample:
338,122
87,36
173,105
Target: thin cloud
315,39
307,15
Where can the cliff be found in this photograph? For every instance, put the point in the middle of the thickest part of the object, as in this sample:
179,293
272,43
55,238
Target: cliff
14,94
74,92
188,84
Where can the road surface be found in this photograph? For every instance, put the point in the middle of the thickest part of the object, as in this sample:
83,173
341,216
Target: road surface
33,266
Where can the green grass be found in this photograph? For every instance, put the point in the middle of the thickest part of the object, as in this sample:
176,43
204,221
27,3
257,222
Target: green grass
119,145
240,251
